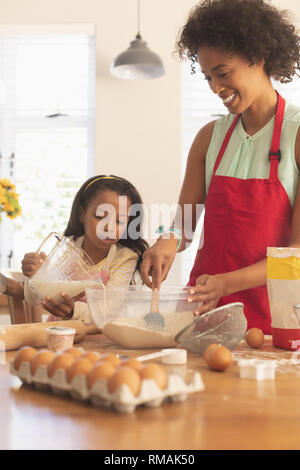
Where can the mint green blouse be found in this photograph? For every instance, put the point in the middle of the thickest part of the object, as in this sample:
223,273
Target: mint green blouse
247,156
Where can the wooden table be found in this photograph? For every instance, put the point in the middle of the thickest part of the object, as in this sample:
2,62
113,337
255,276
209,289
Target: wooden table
231,413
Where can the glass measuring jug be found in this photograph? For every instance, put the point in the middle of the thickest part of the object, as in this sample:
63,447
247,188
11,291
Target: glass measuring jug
67,268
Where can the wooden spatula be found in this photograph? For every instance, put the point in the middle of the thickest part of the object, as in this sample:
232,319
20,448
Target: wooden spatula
154,319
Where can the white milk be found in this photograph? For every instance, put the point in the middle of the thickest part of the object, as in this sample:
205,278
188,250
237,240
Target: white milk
55,288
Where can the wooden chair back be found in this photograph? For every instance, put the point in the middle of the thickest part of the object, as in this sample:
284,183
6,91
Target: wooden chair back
19,310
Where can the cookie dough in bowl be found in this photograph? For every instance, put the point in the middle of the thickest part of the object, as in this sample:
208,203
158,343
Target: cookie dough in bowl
120,314
132,333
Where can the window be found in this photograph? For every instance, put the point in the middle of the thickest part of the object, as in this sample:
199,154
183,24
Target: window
199,106
47,122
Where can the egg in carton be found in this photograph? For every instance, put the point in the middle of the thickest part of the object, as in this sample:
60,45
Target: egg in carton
39,379
57,376
150,395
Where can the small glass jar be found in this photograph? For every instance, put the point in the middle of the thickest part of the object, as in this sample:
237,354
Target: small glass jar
60,338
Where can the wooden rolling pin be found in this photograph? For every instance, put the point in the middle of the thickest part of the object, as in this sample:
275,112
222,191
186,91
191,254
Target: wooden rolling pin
34,334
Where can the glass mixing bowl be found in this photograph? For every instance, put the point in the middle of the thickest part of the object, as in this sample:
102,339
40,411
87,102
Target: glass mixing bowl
224,325
120,313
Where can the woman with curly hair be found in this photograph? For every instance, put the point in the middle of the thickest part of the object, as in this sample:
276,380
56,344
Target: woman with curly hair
244,166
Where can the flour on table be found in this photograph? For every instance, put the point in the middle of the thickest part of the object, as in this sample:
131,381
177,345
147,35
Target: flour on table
133,332
285,362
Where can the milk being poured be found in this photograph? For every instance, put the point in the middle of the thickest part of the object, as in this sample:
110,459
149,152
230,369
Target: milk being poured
55,288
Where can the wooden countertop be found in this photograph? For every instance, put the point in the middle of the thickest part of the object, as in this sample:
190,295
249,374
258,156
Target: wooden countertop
231,413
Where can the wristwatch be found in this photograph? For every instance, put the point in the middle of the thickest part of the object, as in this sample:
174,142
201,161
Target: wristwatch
3,284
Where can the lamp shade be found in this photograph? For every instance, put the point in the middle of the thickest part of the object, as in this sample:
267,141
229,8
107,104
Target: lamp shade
137,62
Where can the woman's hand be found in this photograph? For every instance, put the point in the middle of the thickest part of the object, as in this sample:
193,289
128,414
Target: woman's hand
31,263
63,309
157,261
208,289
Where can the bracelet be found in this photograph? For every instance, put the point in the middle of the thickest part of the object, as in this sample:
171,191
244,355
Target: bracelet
176,232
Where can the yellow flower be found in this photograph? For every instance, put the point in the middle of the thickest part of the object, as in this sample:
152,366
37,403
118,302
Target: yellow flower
13,216
8,207
14,194
9,199
6,183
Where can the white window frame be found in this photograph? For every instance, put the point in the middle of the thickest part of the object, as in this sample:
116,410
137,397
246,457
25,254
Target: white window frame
10,121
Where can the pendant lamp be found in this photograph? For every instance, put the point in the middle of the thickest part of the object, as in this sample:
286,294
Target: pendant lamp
138,62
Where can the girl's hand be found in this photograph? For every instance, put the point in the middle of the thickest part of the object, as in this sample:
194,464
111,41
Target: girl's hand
208,289
31,263
157,261
63,309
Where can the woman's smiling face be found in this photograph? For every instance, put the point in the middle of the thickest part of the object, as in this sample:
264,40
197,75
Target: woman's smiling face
237,82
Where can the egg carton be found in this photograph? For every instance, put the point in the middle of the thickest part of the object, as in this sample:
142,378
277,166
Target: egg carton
122,400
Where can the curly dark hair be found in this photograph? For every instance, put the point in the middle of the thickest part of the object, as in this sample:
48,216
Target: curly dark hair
252,28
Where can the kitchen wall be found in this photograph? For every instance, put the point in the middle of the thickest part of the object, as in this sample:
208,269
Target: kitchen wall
138,124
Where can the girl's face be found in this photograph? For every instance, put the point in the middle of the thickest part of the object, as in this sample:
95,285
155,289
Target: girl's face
238,83
105,218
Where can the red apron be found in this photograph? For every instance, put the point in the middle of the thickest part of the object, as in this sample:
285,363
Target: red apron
242,218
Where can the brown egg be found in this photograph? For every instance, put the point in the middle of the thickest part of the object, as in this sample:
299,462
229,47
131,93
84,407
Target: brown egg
91,356
42,357
24,354
101,370
208,350
113,358
254,337
134,363
75,351
155,372
125,376
60,361
219,358
80,366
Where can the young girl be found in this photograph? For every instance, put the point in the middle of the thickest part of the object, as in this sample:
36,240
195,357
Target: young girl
100,222
245,166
